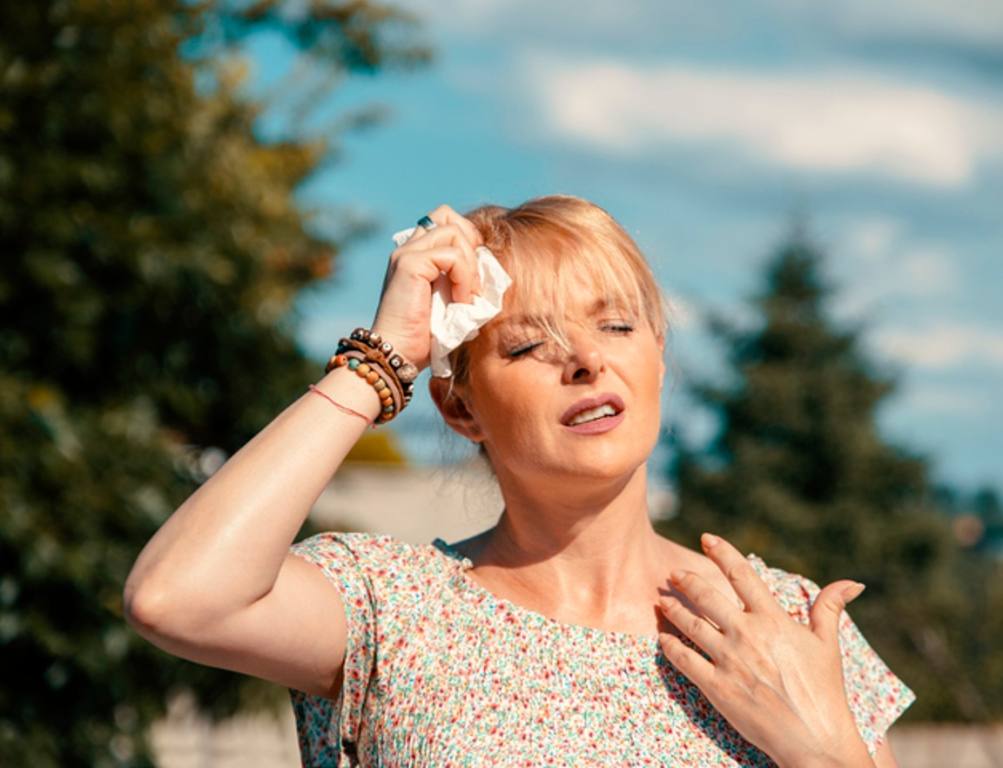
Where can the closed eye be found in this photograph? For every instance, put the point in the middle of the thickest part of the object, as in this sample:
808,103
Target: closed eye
619,327
524,349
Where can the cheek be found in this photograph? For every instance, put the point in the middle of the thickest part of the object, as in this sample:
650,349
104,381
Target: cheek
510,403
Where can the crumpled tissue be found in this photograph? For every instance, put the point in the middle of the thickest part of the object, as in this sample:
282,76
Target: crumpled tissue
453,322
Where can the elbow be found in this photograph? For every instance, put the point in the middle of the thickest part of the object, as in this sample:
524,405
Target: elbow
143,608
157,612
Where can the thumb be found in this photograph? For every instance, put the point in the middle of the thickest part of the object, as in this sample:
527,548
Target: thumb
829,604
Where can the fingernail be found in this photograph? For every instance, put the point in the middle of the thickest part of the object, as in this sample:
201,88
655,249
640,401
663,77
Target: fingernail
853,591
709,540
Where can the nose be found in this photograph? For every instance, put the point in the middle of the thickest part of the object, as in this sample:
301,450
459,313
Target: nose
585,361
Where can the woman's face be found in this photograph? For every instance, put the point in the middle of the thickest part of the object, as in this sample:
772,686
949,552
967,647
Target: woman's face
523,387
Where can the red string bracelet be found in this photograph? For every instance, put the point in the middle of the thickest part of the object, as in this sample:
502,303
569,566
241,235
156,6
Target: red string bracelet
340,407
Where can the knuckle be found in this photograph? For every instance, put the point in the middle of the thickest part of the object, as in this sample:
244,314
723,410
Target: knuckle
694,625
735,572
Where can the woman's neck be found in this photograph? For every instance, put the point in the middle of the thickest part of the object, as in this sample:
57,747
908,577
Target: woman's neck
586,551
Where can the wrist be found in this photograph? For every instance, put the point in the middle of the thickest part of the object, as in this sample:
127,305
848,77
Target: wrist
853,755
351,390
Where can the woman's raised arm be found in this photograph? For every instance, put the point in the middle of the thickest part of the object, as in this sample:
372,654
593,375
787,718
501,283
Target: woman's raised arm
216,584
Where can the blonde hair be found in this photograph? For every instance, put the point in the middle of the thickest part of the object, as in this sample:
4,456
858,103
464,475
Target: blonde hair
548,245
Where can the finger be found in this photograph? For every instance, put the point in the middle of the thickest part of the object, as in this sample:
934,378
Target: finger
699,670
446,215
706,598
448,260
695,627
449,234
829,604
739,571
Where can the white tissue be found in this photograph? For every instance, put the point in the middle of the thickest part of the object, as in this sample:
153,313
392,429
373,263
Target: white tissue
452,322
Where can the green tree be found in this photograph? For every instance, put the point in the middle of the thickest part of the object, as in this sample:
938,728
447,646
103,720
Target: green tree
798,474
152,248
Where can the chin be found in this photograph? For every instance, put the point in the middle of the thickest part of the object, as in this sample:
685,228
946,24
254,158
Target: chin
607,461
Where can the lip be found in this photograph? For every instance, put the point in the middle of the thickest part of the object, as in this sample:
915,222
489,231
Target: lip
605,424
589,403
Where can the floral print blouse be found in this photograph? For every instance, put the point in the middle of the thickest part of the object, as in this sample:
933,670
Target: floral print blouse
440,672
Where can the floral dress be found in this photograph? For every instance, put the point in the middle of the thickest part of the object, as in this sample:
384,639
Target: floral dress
440,672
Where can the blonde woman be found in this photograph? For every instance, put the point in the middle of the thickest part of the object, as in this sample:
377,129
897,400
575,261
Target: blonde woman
570,633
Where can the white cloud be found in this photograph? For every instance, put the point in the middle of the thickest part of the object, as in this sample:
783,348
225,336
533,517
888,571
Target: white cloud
965,22
942,346
820,122
978,22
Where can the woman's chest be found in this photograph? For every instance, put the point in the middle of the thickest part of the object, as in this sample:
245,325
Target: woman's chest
470,692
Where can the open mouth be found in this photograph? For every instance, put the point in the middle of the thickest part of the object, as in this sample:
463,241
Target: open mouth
593,413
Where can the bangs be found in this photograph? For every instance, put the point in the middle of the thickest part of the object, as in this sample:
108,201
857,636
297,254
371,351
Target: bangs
565,254
556,273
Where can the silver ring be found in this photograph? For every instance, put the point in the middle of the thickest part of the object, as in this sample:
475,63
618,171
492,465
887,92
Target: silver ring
426,222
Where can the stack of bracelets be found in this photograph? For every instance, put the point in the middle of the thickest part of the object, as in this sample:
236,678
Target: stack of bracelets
374,359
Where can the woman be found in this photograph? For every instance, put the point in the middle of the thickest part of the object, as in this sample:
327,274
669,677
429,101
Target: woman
570,633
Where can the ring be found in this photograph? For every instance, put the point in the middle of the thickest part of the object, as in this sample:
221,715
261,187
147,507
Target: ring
426,222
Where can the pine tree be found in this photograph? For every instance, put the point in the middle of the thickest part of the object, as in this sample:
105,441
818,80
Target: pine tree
152,251
799,474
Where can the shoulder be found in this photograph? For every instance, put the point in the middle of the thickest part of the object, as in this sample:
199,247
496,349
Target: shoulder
380,564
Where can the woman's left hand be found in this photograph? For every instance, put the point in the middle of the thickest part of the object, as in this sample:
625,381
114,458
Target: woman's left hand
778,682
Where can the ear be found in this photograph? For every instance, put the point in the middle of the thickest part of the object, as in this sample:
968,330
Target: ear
453,407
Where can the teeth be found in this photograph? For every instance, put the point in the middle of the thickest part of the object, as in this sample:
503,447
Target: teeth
595,413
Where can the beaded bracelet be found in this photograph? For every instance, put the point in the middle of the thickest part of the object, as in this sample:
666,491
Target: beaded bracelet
377,349
354,362
373,358
376,357
407,372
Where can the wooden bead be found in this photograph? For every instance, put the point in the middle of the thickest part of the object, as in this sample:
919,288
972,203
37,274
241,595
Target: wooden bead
387,401
372,377
363,369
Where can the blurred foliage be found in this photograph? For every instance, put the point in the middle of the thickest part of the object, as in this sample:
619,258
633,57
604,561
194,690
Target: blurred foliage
152,249
799,475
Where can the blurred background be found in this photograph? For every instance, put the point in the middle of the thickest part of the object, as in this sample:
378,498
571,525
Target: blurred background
196,202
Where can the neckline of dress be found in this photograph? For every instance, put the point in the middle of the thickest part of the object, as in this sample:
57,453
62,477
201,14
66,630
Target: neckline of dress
501,604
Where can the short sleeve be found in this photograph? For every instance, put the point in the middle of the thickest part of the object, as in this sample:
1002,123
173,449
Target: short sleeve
328,731
877,697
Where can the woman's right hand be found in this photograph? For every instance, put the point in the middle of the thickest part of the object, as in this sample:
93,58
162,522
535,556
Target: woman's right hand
444,253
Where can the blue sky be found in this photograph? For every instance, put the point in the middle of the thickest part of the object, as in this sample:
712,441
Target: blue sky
702,128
